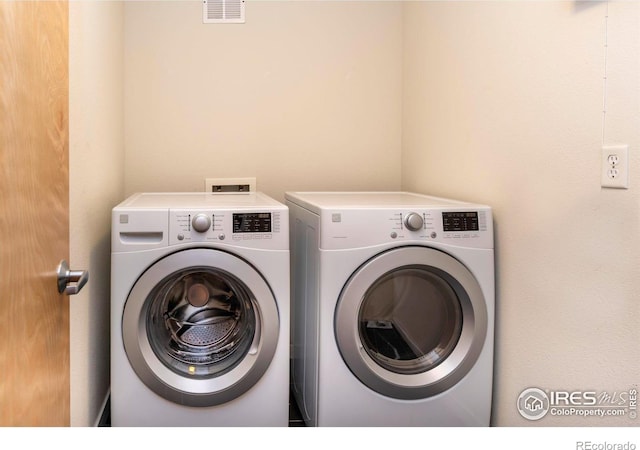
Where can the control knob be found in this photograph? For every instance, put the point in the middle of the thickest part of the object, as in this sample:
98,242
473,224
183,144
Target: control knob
201,223
413,221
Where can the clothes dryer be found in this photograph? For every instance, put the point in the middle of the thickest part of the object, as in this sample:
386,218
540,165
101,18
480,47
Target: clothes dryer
200,310
392,309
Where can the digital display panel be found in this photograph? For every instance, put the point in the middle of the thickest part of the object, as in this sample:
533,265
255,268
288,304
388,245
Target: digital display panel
252,223
460,221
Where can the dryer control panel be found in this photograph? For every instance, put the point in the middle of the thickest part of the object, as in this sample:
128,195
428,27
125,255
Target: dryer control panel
364,227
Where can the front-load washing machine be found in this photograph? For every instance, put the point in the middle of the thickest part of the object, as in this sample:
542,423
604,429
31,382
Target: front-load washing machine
200,310
392,309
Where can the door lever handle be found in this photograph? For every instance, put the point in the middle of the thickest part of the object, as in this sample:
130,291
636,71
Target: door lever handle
67,276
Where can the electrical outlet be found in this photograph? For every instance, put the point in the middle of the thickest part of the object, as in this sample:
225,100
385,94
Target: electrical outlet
230,185
615,166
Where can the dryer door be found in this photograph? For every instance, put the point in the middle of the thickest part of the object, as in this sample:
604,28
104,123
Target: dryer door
200,327
411,322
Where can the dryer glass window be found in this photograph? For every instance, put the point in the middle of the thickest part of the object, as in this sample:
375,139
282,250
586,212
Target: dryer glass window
201,322
410,320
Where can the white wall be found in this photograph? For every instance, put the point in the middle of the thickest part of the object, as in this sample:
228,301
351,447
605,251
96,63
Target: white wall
497,102
503,105
304,95
96,160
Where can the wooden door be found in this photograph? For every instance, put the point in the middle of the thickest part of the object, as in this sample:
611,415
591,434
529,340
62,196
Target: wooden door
34,213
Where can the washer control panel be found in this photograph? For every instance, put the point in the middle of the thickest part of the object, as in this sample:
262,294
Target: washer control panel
201,223
413,221
250,228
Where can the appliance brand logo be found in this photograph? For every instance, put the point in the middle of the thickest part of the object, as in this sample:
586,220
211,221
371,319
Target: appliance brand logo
534,403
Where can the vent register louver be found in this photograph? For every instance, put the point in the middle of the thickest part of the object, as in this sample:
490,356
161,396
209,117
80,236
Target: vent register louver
223,11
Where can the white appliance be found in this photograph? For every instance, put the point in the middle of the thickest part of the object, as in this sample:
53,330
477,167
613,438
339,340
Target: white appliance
392,309
200,310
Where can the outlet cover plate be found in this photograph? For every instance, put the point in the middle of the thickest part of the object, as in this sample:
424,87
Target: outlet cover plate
615,166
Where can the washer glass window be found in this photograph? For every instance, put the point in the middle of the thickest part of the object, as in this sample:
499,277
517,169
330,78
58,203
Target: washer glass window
201,322
410,320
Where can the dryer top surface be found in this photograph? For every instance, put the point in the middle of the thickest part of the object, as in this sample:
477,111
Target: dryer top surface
317,201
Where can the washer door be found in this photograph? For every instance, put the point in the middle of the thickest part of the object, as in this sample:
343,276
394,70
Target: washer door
200,327
411,322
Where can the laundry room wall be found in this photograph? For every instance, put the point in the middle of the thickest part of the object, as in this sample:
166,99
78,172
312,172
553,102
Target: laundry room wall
96,184
503,104
303,96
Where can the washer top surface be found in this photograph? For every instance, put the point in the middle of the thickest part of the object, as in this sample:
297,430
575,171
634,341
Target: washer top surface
152,220
316,201
200,200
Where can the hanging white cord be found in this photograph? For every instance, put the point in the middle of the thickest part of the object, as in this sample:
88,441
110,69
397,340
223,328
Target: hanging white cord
604,78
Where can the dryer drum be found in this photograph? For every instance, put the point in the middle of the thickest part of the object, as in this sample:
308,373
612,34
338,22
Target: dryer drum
410,320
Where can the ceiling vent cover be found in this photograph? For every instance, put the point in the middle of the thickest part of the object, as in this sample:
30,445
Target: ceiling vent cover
223,11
